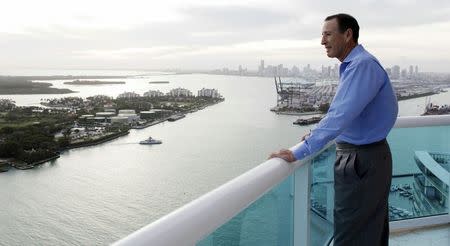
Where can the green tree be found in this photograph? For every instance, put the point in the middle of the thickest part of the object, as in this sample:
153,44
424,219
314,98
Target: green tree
10,149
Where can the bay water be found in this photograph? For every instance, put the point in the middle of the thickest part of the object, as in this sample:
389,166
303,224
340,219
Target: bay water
99,194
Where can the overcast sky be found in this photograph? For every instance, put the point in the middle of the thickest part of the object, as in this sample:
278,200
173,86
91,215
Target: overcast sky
200,34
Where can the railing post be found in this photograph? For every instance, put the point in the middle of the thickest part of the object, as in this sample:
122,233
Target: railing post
302,187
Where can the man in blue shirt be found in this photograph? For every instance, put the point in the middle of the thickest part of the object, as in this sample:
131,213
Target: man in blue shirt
362,113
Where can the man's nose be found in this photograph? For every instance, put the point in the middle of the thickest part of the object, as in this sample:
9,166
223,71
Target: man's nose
322,42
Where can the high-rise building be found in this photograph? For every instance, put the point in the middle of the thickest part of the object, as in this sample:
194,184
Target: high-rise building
396,72
295,71
336,71
404,73
280,70
261,68
307,69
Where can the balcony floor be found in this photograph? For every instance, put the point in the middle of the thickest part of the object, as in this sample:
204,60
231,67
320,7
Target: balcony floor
434,236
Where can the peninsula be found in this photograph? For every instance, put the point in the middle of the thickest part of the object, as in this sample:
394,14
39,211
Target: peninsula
93,82
20,86
30,136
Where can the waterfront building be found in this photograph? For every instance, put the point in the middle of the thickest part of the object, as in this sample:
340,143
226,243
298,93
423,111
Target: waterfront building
98,119
128,95
154,114
130,114
85,116
127,111
105,114
213,93
180,92
153,93
147,115
119,119
109,109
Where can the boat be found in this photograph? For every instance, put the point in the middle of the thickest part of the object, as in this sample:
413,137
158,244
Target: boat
308,121
150,140
176,117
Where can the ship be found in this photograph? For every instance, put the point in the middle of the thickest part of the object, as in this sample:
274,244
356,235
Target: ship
150,140
308,121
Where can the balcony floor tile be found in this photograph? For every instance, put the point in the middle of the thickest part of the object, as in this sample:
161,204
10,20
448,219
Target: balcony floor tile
435,236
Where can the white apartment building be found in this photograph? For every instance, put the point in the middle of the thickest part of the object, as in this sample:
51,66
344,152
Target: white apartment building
153,93
180,92
128,95
208,93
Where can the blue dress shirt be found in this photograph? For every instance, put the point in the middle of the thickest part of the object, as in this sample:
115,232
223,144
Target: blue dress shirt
363,110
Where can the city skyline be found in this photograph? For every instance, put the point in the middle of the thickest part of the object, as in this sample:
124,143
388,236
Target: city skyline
195,34
331,71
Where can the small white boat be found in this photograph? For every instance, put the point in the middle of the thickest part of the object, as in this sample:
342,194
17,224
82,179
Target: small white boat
150,140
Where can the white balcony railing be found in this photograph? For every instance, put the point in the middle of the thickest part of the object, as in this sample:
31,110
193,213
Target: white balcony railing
197,219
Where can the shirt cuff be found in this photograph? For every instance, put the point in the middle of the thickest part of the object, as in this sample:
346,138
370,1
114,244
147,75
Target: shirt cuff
300,151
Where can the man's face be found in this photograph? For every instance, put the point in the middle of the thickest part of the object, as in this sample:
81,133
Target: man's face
333,40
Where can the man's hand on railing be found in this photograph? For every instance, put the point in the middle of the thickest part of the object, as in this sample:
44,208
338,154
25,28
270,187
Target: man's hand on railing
284,154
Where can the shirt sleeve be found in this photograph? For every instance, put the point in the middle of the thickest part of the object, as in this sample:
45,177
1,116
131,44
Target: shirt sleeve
360,83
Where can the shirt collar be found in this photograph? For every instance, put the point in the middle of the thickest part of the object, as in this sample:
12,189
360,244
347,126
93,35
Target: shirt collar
354,53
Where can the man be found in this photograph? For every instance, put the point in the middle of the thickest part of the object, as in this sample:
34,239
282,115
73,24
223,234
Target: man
362,113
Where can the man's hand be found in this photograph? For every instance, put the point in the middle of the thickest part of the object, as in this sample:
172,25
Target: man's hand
284,154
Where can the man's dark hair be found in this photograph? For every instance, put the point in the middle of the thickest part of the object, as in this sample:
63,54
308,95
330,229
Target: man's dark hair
345,22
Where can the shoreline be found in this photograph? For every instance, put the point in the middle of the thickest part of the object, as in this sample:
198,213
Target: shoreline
417,96
34,164
96,142
150,124
319,112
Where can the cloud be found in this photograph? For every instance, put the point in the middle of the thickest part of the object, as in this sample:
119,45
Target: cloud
204,34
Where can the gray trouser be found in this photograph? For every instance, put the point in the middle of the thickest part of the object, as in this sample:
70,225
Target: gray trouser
362,179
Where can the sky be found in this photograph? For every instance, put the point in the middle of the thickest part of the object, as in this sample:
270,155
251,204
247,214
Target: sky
200,34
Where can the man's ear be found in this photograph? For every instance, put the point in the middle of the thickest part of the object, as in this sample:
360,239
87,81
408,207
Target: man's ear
348,35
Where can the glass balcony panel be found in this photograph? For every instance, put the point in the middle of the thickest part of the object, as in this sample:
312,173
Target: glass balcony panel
322,197
268,221
416,191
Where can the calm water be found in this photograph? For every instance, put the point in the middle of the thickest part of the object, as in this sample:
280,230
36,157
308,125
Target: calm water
96,195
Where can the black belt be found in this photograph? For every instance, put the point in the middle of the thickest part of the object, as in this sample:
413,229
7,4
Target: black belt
345,146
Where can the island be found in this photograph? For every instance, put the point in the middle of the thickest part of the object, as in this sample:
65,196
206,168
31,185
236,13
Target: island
30,136
93,82
20,86
158,82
